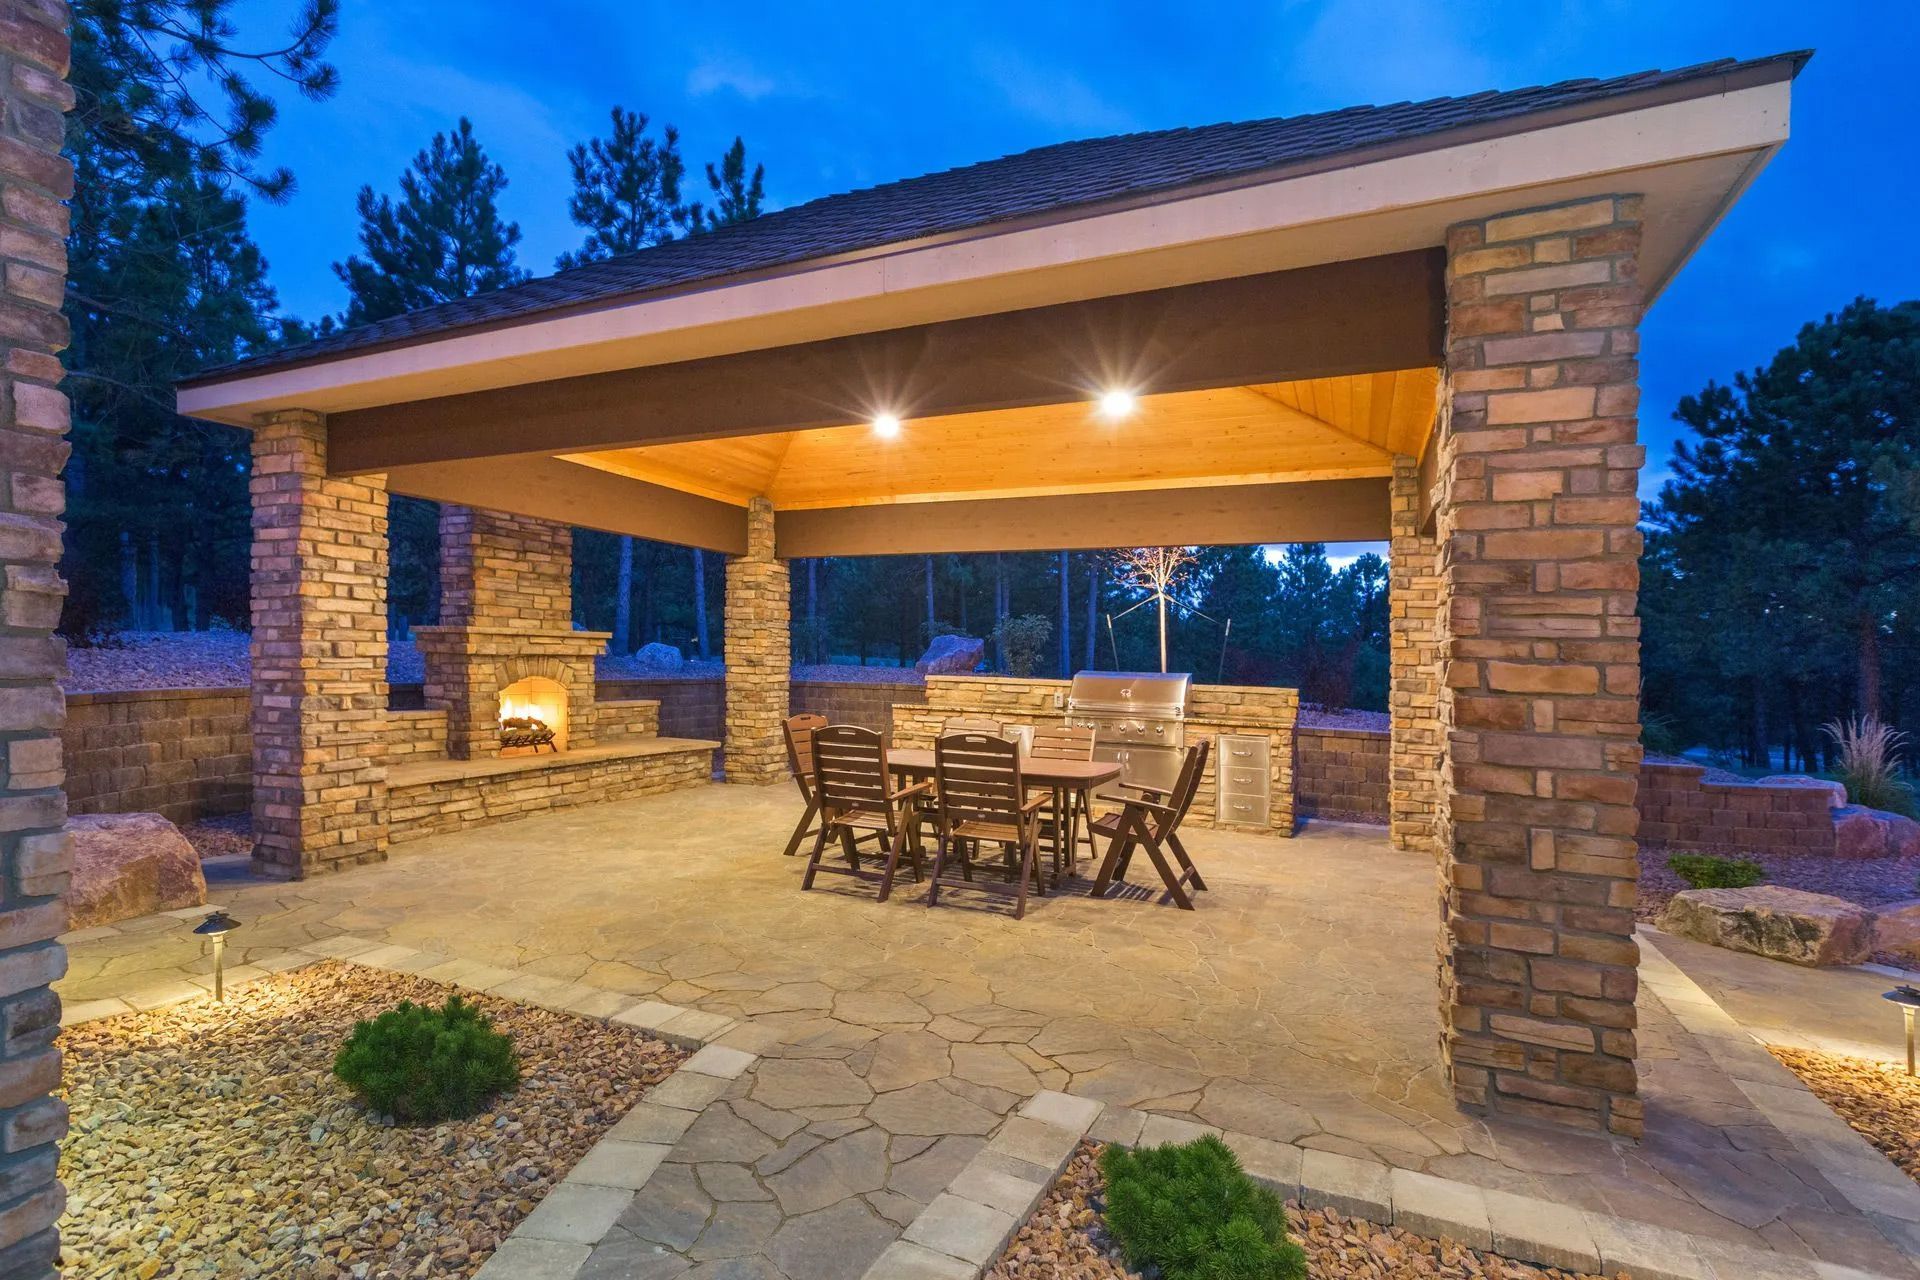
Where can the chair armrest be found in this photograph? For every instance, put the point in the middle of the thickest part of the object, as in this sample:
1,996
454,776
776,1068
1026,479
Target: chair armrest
1145,790
1034,802
907,793
1164,811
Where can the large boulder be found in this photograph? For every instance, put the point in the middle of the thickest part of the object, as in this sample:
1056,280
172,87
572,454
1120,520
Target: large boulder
952,656
1781,924
1896,928
1836,793
1860,832
130,864
659,657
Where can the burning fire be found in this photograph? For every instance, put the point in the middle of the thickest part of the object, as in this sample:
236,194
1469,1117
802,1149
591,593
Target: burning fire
514,709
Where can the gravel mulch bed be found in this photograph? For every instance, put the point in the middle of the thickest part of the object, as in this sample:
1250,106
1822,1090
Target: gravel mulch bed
1314,716
1878,1099
161,660
1066,1239
212,1140
1867,881
223,836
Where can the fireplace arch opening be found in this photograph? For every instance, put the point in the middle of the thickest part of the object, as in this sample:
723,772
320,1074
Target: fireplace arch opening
530,707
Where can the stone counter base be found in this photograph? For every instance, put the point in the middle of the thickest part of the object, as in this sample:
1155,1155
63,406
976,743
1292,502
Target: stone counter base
453,795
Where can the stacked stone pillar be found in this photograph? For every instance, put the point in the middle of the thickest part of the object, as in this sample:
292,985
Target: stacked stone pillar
319,654
759,654
1539,564
1413,651
34,857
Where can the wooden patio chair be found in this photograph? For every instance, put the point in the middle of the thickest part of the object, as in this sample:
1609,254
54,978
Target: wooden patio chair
1063,742
857,797
799,731
982,799
1150,818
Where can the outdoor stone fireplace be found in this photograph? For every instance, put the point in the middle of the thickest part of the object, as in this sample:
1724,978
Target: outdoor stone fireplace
506,645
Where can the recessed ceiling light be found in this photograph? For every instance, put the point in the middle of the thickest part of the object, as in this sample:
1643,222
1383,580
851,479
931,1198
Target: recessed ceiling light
1118,403
886,426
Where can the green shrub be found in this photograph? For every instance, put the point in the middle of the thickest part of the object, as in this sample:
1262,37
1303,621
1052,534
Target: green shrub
425,1065
1022,641
1870,764
1191,1212
1706,871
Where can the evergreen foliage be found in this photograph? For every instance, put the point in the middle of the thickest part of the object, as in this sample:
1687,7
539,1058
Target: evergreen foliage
1191,1212
1710,871
1783,557
423,1065
627,190
163,280
442,239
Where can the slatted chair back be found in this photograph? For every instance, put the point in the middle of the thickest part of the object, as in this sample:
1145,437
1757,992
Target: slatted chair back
1061,742
799,732
977,777
1186,786
850,769
974,724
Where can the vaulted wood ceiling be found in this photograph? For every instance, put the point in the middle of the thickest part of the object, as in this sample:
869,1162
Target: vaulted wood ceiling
1317,429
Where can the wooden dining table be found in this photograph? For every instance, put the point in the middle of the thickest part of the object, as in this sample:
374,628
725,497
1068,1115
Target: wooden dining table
1062,777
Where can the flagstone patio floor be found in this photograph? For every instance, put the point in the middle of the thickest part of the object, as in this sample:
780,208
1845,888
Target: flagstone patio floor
1298,1003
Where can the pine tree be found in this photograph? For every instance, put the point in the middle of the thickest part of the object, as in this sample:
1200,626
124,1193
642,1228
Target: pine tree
736,196
442,239
627,190
165,135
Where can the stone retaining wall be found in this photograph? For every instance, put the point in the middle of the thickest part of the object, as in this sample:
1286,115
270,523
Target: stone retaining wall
868,705
431,808
185,753
694,707
1341,774
1680,809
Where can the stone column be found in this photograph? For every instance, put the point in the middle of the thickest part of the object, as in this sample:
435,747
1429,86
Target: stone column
759,654
1540,560
34,856
319,654
1413,646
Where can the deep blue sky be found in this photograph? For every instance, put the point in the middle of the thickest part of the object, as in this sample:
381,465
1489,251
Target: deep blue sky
831,97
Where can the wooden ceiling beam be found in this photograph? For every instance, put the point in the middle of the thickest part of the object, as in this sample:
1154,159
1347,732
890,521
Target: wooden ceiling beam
1359,316
551,489
1227,515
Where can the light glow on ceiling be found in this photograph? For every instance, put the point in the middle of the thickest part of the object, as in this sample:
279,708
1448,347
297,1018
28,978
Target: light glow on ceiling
886,425
1118,403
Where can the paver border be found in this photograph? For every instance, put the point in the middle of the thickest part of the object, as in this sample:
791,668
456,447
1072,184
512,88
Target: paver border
1015,1172
555,1239
1871,1183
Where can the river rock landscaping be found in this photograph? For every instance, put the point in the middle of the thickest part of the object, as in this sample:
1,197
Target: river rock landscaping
1066,1238
1878,1099
213,1140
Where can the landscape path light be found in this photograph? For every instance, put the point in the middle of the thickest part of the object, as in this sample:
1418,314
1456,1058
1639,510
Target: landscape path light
217,926
1908,998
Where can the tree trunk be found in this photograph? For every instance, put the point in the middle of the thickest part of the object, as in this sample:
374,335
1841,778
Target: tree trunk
930,622
700,602
1869,651
814,639
130,579
152,609
623,599
1066,620
1093,612
1163,632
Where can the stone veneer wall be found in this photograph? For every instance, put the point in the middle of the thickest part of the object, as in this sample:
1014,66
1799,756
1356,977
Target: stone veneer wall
35,857
430,808
1213,709
500,570
1537,529
1681,810
759,655
1414,593
1341,774
184,753
693,707
319,651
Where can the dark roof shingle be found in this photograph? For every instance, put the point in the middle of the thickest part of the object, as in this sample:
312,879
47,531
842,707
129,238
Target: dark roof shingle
1057,177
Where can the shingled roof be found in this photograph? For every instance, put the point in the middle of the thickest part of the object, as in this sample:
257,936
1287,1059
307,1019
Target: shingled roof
1044,181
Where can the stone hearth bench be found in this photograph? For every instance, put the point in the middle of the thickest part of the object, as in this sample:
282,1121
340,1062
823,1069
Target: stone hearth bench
436,796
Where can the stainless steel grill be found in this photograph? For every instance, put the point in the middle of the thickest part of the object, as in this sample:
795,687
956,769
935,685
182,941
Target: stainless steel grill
1138,718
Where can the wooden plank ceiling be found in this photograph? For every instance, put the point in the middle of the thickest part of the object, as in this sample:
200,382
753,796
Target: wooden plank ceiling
1318,429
